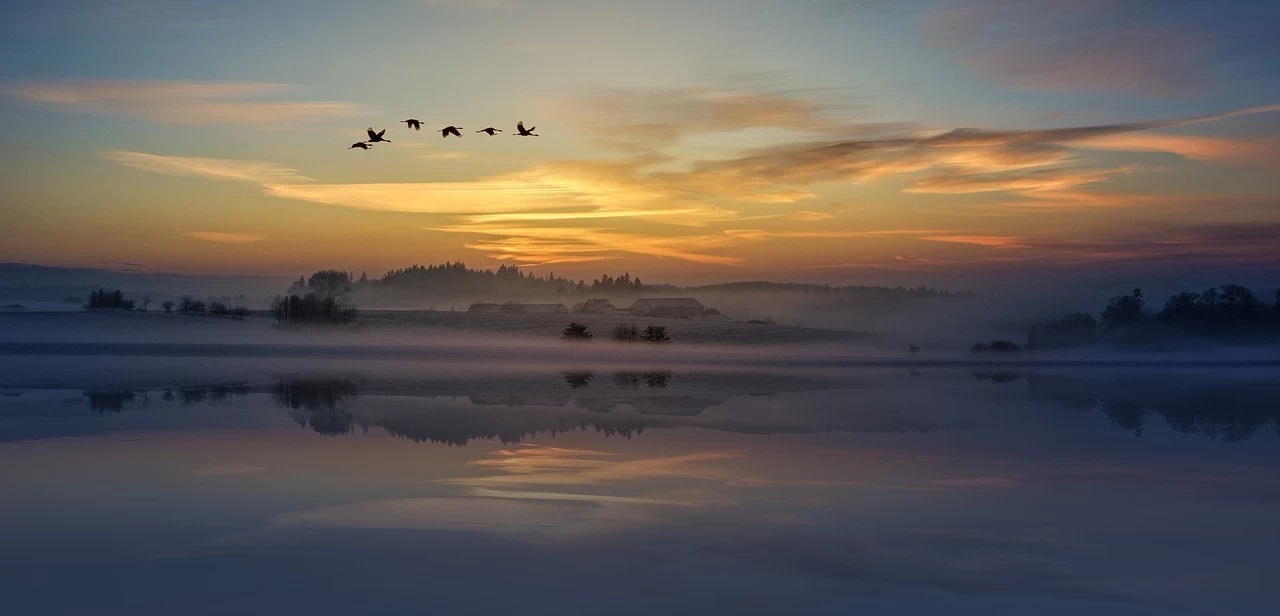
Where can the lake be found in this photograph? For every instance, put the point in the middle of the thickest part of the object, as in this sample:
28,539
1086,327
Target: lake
220,485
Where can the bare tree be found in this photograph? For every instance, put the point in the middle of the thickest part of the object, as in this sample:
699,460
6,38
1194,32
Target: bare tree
144,302
329,285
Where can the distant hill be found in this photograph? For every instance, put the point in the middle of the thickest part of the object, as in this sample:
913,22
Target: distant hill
23,281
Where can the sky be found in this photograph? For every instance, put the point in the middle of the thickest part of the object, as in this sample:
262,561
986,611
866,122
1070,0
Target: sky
686,141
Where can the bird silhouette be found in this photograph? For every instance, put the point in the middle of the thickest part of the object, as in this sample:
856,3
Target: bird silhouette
360,144
450,130
414,124
491,130
525,132
376,137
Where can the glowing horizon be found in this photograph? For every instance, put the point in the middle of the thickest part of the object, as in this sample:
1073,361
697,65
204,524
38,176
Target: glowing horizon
948,138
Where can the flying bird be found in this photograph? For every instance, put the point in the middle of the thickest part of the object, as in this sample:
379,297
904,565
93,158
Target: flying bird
451,130
360,144
414,124
491,130
376,137
525,132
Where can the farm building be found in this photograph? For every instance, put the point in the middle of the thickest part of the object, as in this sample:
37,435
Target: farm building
597,306
485,307
677,307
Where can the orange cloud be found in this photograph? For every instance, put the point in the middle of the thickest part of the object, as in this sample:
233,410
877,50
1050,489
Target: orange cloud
1197,148
995,241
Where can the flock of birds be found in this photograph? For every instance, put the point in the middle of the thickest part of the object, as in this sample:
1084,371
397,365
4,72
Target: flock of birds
456,131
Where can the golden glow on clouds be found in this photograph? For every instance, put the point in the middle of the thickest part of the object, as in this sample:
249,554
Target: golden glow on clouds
1198,148
652,198
180,102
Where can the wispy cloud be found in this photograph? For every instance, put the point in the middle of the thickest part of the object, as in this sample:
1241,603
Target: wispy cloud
1263,153
221,168
810,216
996,241
221,237
649,203
537,245
180,102
645,120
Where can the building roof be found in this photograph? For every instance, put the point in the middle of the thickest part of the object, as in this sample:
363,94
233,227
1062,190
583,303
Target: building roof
669,302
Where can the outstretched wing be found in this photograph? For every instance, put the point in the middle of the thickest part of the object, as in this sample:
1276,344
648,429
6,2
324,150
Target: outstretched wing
372,135
520,126
381,133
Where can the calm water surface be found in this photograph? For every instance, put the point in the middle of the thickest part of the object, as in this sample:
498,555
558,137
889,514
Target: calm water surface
362,489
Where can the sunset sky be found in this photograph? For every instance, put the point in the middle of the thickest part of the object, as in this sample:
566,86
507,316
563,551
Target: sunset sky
703,140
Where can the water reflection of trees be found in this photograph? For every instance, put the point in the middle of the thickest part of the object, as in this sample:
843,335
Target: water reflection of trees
653,379
113,401
578,380
103,402
326,406
319,403
1220,409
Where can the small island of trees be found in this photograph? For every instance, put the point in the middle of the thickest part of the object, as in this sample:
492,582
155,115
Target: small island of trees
1228,312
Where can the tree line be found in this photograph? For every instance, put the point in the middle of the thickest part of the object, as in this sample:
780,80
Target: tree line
1229,311
454,278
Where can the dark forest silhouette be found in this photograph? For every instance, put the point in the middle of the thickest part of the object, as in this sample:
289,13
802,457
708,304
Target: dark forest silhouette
1227,312
455,279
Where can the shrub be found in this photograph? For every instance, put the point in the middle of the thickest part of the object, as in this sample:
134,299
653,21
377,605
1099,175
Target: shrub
626,333
167,305
656,334
576,331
